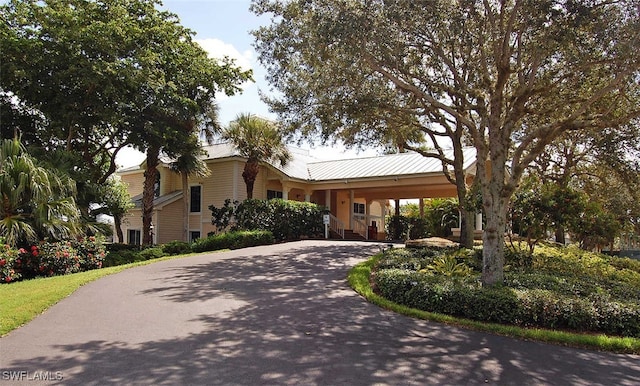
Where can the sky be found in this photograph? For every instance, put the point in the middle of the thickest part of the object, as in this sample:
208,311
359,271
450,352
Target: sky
222,27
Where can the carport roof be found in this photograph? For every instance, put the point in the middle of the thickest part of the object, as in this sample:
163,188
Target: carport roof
401,164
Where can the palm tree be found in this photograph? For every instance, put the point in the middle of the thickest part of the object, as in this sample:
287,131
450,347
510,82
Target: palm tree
189,163
259,140
36,203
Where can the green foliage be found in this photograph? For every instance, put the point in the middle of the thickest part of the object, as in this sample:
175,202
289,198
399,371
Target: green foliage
60,257
566,288
286,220
233,240
440,215
176,248
37,203
91,250
8,257
151,253
221,217
259,140
447,265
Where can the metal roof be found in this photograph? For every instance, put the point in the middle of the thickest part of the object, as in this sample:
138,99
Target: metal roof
303,166
401,164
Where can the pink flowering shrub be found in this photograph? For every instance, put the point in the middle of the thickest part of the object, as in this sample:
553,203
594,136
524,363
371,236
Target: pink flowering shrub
91,251
8,257
60,258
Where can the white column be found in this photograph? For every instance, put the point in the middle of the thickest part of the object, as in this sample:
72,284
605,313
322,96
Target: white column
285,192
351,199
307,197
479,221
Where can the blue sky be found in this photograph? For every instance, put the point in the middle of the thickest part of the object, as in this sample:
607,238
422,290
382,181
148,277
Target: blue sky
222,28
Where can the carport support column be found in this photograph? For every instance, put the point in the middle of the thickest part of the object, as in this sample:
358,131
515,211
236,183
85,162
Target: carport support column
351,199
285,191
421,206
327,199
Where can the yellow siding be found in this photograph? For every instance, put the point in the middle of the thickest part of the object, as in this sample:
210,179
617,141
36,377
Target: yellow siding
218,186
169,181
168,223
134,182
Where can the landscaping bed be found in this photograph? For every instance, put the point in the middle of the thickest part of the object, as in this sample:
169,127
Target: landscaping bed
555,288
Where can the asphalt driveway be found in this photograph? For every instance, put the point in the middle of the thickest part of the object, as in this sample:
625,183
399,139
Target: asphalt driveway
276,315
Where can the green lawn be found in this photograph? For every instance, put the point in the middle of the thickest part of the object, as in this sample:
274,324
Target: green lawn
22,301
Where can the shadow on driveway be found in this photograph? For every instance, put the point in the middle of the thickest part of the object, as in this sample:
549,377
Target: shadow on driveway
285,315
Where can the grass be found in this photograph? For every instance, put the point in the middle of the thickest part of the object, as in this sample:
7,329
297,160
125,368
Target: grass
359,280
22,301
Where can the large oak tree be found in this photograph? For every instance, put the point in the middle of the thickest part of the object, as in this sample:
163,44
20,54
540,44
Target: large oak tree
506,76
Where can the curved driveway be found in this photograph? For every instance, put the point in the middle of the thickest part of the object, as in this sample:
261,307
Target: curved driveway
274,315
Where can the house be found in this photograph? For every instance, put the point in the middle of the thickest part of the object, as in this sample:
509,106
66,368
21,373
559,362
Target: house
356,191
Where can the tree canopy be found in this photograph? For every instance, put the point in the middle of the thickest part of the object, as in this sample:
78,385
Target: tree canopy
507,77
83,79
258,139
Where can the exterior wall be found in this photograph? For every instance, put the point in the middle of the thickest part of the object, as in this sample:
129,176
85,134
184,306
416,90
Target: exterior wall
168,223
226,182
170,181
134,181
133,220
222,183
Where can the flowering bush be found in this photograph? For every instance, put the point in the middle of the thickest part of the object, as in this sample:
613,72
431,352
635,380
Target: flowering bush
57,259
91,251
8,258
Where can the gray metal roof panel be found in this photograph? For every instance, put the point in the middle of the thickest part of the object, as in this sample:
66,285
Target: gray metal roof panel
381,166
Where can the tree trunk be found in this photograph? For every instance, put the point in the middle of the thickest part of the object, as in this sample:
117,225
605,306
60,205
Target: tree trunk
493,242
186,198
249,175
466,228
560,235
117,220
148,193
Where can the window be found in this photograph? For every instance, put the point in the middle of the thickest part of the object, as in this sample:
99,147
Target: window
134,236
358,211
196,198
156,186
194,235
271,194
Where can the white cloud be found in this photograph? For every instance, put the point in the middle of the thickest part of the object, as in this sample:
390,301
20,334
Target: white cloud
218,49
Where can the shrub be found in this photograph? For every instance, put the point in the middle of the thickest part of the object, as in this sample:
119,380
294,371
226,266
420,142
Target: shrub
176,248
50,259
8,257
286,220
151,253
124,256
588,295
91,251
233,240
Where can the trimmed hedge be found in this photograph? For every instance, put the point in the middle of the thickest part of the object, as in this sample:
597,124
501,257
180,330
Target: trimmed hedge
286,220
233,240
530,299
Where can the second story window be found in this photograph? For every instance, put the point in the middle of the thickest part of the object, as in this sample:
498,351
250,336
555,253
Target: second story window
196,199
156,186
